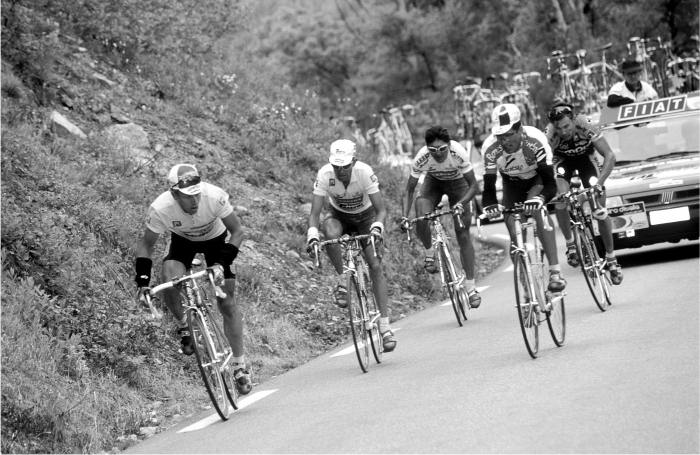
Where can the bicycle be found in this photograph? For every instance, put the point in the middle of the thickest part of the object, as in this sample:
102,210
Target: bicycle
592,265
451,276
363,309
530,276
211,348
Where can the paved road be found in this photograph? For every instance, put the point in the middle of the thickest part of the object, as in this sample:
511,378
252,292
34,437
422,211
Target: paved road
626,381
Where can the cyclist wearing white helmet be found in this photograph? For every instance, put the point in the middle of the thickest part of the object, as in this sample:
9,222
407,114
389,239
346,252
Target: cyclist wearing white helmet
198,216
523,157
356,206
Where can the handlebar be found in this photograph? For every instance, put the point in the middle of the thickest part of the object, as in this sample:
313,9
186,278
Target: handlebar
517,209
345,239
150,292
431,216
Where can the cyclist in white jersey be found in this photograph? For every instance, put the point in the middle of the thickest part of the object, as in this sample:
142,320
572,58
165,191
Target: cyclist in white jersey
356,206
448,171
198,216
523,157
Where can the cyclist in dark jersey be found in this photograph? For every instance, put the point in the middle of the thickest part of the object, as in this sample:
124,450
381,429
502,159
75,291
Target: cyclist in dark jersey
574,143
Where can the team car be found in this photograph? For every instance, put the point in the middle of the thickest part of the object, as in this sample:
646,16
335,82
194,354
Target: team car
653,191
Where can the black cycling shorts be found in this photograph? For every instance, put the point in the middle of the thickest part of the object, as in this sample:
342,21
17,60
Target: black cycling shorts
586,168
433,190
354,223
518,190
184,250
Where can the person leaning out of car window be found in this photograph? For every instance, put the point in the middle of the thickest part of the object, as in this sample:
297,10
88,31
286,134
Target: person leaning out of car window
632,89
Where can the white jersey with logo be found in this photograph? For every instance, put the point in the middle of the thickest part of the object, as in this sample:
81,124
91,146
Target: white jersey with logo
165,215
454,167
521,164
351,199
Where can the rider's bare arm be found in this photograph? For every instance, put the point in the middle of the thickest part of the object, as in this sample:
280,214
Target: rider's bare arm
603,147
233,225
549,185
410,188
473,187
378,203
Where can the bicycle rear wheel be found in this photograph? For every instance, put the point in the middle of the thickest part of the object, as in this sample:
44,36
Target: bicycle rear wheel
556,318
205,352
357,312
588,257
455,297
373,314
526,304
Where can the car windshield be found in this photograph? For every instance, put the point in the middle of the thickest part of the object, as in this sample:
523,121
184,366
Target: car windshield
655,139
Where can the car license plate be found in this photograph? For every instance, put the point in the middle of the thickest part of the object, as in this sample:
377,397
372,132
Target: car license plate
628,217
669,215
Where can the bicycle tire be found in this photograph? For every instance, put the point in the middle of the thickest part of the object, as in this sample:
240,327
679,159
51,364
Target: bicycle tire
556,319
208,366
373,312
588,258
447,276
527,315
356,314
227,372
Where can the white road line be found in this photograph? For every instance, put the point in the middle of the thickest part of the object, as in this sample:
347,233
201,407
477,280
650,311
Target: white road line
509,268
351,349
478,288
501,236
242,403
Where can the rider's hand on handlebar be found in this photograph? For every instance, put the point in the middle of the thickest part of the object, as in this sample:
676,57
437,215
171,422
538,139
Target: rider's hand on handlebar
376,229
533,204
598,189
492,211
219,278
405,224
458,209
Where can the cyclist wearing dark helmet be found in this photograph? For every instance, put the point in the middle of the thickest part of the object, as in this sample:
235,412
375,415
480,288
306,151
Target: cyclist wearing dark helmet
575,141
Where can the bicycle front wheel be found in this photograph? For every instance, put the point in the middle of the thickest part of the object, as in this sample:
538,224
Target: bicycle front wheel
223,347
526,304
205,350
556,318
588,257
357,313
455,295
373,315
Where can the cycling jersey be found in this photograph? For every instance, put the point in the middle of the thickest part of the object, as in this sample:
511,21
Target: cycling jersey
165,214
580,143
351,199
454,167
522,164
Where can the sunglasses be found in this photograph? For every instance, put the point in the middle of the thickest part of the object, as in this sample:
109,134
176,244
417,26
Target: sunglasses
440,149
187,181
345,168
559,112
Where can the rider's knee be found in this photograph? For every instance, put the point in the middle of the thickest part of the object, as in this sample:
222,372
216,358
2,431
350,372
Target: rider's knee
560,205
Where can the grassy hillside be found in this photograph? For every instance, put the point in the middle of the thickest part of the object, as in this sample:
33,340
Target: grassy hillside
83,369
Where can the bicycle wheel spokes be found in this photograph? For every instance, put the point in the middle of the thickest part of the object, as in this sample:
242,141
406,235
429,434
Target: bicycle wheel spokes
223,347
450,286
527,314
556,318
373,320
591,271
208,363
357,323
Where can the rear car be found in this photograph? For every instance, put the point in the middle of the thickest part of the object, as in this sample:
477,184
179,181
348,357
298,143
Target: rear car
653,192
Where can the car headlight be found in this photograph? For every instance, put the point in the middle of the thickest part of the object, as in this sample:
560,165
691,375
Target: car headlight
613,201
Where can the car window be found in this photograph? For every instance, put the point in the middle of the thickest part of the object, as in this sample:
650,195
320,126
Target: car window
649,140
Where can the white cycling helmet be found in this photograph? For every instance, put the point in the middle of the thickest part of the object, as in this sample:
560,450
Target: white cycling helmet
342,152
504,117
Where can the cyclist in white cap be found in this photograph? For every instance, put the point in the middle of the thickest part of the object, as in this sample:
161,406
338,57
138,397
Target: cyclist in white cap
355,206
523,157
198,216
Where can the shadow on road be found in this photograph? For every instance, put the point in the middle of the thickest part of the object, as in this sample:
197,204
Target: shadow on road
631,258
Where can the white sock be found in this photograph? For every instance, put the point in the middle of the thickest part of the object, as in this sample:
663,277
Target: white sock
470,285
610,257
183,323
238,360
569,241
430,252
384,325
554,268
